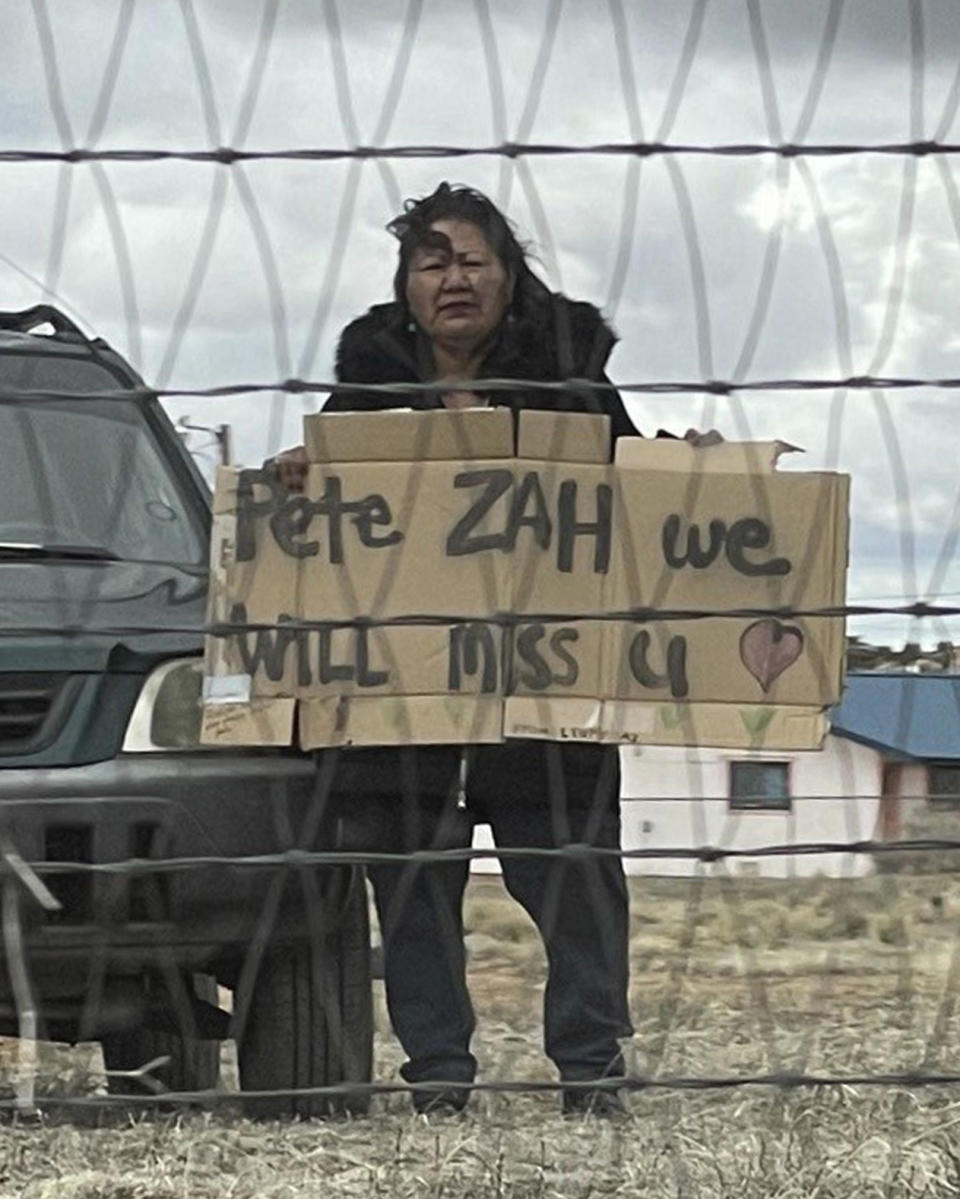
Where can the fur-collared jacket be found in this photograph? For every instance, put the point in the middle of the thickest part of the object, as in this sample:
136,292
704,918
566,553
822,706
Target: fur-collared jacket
560,339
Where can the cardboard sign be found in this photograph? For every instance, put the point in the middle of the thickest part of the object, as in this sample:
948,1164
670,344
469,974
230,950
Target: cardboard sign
418,600
403,435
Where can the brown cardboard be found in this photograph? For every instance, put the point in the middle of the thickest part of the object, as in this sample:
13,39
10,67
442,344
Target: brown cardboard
562,559
255,583
400,435
765,542
412,571
552,718
461,600
563,436
728,457
722,725
406,720
264,722
722,704
328,661
449,662
780,538
563,659
754,660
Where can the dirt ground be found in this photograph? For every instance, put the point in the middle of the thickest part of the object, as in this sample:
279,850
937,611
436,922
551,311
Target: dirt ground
730,978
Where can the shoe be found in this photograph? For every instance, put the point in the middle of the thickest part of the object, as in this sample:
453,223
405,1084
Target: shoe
603,1103
442,1104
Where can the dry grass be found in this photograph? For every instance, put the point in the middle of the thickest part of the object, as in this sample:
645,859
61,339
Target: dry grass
731,978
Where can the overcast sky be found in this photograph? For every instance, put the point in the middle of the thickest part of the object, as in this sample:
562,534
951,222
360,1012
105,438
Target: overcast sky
277,256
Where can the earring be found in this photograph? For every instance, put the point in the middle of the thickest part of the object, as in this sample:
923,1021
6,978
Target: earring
411,326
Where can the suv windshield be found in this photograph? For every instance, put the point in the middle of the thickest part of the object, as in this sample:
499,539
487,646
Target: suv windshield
87,473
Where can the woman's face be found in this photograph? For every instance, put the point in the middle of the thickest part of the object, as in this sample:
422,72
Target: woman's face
458,294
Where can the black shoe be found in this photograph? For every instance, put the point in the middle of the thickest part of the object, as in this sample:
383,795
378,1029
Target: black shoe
450,1101
604,1103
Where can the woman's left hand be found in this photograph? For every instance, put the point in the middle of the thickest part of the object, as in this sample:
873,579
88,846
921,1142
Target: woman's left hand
703,440
289,468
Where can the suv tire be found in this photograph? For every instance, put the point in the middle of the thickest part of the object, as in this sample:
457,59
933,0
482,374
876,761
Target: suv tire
310,1019
194,1064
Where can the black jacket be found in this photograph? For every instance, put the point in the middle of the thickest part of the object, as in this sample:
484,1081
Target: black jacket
561,339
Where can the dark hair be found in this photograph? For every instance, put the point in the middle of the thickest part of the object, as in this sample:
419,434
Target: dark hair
459,203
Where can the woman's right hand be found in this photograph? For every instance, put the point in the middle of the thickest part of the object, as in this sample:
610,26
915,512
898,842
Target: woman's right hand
290,468
703,440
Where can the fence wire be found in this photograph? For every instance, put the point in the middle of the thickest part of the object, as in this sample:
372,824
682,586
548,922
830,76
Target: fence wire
295,860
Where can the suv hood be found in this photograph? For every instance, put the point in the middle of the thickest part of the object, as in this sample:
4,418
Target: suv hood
113,616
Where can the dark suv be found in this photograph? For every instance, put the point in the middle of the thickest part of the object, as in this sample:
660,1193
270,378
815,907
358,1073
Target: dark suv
104,524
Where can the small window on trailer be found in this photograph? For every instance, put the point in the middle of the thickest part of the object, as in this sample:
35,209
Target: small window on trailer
759,785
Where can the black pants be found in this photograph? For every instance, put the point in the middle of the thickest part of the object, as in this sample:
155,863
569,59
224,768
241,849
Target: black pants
534,795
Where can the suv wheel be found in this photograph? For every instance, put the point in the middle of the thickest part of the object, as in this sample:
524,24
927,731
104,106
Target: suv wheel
310,1019
194,1064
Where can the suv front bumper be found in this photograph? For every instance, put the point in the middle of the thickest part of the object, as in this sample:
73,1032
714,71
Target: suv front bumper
209,805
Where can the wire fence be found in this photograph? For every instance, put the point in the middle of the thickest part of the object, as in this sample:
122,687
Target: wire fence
296,902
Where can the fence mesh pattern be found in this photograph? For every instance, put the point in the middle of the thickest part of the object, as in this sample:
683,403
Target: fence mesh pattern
766,277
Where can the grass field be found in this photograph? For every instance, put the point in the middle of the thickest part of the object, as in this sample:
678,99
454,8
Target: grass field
729,977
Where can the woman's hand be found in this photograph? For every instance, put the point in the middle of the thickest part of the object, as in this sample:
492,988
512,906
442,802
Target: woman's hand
702,440
290,468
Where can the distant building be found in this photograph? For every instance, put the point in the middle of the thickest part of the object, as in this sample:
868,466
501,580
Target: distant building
734,799
913,722
888,770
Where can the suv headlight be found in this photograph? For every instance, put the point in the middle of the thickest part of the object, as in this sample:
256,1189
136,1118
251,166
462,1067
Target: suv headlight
168,710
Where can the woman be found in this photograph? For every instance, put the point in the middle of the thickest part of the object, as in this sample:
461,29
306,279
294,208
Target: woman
467,307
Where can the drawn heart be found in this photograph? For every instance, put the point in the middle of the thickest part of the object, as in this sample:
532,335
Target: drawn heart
768,647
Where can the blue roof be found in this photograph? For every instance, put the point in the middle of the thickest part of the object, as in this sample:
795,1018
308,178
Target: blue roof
907,716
